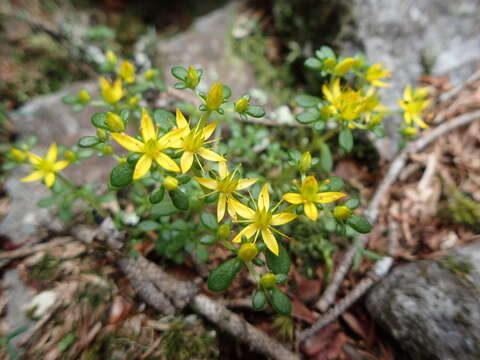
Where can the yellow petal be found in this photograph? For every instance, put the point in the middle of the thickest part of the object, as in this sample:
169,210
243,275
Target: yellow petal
223,169
407,94
186,161
328,197
208,130
128,142
143,165
59,165
420,122
34,176
222,202
104,84
166,162
210,155
181,121
208,183
244,183
310,184
311,211
146,127
34,158
248,231
282,218
264,198
52,153
270,241
50,179
173,139
241,209
231,208
293,198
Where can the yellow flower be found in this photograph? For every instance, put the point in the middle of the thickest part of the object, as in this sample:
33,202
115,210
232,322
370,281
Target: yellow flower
83,96
192,78
151,147
111,58
150,74
127,72
227,184
215,97
19,155
192,142
375,73
308,195
111,92
344,66
45,168
114,122
241,105
262,221
413,104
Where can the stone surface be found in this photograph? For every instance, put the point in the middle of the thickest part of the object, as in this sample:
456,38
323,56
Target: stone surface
50,120
415,37
432,307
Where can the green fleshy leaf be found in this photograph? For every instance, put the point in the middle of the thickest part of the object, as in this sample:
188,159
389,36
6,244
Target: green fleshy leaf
359,223
180,199
255,111
309,116
88,141
259,300
306,101
278,264
179,72
222,277
121,175
209,221
281,302
157,195
326,161
345,139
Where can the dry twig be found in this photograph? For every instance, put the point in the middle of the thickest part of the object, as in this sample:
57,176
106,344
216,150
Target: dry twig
13,254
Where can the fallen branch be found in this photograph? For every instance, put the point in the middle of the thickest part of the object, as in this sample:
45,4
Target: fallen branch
457,89
22,252
371,213
380,269
152,283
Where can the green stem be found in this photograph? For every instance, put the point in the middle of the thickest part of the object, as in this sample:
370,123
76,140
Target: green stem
90,200
252,271
204,118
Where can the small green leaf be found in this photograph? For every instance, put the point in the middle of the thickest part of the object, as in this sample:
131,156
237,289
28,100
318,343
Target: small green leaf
313,64
70,99
259,300
179,72
180,199
307,101
352,203
281,279
164,208
336,183
148,225
164,118
221,278
309,116
66,342
121,175
359,223
88,141
184,178
345,139
209,221
281,302
202,253
99,120
157,195
208,239
255,111
180,85
278,264
326,161
227,92
125,116
46,202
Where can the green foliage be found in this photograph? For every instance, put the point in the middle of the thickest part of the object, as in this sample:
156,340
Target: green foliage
221,278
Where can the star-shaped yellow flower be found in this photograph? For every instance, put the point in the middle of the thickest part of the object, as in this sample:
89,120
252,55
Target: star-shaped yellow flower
226,185
111,92
308,195
193,141
375,73
262,221
413,104
127,72
45,168
151,147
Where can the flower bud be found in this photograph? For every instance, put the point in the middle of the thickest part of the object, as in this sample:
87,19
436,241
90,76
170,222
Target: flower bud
83,96
344,66
247,252
329,63
224,231
241,105
114,122
70,156
127,72
19,155
268,280
305,162
133,101
102,134
150,74
215,97
410,131
111,57
342,212
192,79
170,183
107,150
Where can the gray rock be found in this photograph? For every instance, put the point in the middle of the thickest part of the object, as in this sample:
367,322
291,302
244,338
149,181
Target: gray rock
432,307
417,37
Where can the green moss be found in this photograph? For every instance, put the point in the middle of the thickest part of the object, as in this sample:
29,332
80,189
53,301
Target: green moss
46,269
461,208
457,267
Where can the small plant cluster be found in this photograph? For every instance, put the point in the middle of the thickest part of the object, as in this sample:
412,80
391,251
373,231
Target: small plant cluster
172,168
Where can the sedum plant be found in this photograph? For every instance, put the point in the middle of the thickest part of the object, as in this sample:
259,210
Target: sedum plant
188,194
